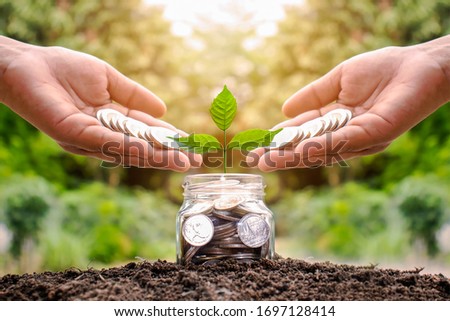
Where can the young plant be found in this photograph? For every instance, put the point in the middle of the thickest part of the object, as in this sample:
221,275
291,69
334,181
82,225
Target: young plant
223,110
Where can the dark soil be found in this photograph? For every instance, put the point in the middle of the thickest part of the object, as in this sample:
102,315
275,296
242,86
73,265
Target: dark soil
284,279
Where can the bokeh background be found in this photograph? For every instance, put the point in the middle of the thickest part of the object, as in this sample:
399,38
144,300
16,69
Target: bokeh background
58,210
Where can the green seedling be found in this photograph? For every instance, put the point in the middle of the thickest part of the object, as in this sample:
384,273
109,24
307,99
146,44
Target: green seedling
223,111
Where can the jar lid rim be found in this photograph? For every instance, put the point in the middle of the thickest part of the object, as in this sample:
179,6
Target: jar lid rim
224,175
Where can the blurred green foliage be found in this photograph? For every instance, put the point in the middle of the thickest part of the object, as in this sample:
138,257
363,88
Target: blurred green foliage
85,213
94,223
353,221
423,203
26,202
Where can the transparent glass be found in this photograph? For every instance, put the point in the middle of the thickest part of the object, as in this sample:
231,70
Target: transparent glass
224,216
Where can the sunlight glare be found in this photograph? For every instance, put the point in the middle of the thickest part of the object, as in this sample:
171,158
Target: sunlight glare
185,15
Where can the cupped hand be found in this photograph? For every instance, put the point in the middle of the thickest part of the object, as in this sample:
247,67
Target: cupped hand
59,91
388,91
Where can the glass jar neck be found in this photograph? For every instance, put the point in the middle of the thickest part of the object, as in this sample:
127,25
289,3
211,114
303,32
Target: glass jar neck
212,185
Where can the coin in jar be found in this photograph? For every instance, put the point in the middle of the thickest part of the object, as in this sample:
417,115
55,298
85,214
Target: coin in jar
198,230
249,207
225,215
253,230
227,203
202,207
190,253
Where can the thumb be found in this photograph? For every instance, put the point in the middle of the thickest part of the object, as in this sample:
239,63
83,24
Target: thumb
132,95
317,94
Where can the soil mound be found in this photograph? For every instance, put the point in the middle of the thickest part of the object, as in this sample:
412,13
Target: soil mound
284,279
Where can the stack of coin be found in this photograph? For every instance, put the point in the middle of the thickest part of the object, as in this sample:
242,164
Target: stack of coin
228,226
289,137
160,137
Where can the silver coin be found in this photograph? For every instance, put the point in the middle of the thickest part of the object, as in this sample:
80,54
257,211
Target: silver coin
239,245
121,125
225,230
305,131
190,253
134,127
249,207
253,230
203,258
114,120
215,251
201,207
328,124
225,227
339,117
226,240
104,115
240,256
198,230
312,128
147,132
227,233
287,137
224,233
225,215
101,116
334,118
345,115
161,137
226,203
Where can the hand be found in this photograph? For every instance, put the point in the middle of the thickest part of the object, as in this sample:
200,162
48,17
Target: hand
59,91
388,91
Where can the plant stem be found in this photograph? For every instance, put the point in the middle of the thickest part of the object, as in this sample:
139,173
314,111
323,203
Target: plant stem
224,152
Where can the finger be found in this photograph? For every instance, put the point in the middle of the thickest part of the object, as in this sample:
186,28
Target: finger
87,134
278,160
291,159
288,159
132,95
253,156
161,159
315,95
195,160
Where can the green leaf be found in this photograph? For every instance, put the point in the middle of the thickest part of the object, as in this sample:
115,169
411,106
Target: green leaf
223,109
199,143
252,138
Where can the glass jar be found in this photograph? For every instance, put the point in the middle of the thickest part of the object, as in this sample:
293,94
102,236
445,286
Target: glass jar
224,216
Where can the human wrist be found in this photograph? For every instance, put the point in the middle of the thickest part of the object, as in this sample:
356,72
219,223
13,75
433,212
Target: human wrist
439,51
10,49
